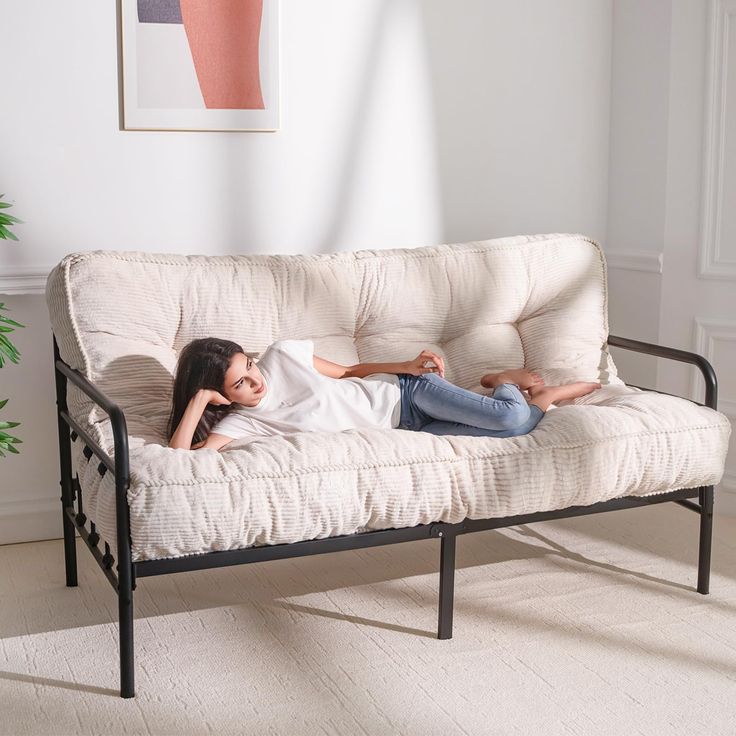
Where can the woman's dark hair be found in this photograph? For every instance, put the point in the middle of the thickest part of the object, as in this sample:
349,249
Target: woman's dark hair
201,364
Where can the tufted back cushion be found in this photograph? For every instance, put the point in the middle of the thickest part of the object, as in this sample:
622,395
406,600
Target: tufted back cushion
122,317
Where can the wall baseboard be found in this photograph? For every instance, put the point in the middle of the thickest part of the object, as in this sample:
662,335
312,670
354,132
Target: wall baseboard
724,501
30,521
724,504
635,260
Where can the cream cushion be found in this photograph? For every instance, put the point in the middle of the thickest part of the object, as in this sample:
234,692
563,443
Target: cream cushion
541,301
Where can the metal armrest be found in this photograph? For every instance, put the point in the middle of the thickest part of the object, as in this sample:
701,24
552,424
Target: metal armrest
709,375
120,465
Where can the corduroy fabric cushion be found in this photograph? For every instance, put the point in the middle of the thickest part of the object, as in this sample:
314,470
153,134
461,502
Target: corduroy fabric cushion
539,301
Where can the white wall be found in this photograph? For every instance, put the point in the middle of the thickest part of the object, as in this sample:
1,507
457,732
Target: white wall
673,162
521,107
404,123
640,69
698,300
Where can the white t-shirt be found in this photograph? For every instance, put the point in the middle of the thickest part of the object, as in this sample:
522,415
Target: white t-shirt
300,399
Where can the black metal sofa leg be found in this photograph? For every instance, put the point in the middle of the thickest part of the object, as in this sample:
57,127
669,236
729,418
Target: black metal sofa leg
67,492
706,537
127,674
70,551
447,586
70,535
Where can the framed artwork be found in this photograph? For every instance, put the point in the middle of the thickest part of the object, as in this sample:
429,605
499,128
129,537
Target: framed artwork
200,64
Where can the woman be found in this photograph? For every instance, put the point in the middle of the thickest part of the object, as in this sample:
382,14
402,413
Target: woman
221,394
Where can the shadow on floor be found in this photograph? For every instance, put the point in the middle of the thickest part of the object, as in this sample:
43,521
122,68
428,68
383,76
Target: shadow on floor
50,606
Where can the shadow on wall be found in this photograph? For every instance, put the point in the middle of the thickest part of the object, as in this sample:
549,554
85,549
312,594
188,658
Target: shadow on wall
350,205
438,126
344,187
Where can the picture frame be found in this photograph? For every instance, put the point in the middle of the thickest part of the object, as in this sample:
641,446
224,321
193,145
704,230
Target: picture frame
200,65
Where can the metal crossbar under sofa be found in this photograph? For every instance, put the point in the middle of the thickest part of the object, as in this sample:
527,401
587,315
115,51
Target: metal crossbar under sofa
123,572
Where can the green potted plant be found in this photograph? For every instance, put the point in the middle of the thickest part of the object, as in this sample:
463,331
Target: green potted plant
8,351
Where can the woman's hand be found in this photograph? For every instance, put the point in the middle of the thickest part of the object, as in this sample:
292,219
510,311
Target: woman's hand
416,367
182,437
210,396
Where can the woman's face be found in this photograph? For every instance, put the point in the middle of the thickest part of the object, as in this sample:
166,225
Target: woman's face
244,383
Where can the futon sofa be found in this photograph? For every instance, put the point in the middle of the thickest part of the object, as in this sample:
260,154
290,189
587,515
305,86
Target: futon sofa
119,320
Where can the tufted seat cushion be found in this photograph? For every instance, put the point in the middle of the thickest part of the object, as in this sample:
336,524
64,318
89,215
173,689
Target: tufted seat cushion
539,301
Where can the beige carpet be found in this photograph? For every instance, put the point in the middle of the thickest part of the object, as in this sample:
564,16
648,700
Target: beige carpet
581,626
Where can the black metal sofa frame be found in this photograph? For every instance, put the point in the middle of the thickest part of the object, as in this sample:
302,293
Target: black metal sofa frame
124,581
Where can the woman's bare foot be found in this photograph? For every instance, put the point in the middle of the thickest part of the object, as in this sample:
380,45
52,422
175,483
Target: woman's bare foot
543,396
522,377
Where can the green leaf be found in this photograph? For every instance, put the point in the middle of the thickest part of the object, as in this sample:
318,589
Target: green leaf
9,347
5,320
8,441
12,358
6,234
8,356
5,341
3,205
8,353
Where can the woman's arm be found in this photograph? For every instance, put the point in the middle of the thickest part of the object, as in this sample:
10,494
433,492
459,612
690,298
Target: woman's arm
361,370
335,370
213,441
182,437
327,368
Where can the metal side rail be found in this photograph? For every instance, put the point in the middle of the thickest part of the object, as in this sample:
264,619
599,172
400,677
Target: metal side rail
120,466
705,494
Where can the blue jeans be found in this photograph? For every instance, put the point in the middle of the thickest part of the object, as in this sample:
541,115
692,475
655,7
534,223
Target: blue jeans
432,404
